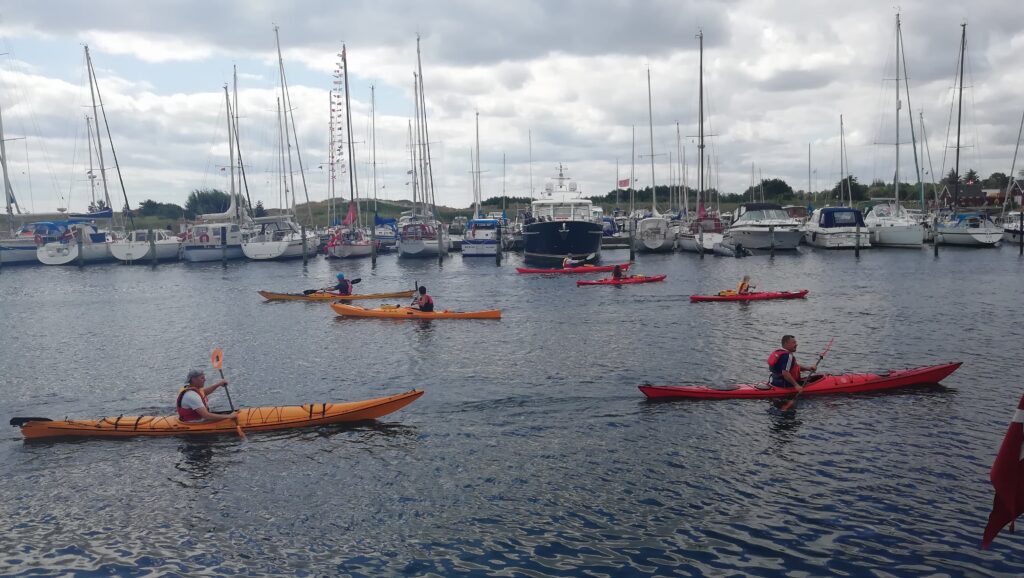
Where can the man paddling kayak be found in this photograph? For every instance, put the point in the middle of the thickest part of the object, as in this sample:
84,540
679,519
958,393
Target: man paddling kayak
617,273
785,370
192,405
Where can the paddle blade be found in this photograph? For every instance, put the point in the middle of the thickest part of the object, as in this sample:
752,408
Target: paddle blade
310,291
20,421
217,358
356,280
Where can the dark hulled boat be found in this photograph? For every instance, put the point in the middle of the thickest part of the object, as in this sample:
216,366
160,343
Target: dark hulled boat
562,224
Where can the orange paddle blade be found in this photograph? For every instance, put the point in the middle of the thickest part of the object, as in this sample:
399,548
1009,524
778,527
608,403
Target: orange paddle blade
217,358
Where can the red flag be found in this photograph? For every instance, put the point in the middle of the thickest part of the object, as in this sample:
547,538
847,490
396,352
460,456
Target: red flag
1008,479
623,183
351,216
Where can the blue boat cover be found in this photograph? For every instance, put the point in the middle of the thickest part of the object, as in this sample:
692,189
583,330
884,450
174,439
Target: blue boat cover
840,217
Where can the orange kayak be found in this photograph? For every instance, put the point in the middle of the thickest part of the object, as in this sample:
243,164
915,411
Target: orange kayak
250,419
410,313
331,296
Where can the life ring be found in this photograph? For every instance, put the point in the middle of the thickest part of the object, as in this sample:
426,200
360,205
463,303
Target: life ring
204,238
38,239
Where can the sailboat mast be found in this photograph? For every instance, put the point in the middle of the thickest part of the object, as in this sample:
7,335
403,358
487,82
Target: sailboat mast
700,122
92,175
373,141
8,190
632,174
412,167
476,170
426,129
231,145
959,111
285,106
896,178
650,125
243,184
96,122
842,156
680,167
353,183
910,109
282,192
1013,165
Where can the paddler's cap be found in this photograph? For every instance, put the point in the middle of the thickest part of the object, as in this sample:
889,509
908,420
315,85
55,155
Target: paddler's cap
341,276
194,373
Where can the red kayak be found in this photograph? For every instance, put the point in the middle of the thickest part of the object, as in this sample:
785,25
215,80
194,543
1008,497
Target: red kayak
759,296
624,281
576,270
819,384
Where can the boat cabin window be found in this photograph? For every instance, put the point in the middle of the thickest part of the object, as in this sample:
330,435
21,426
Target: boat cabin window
141,236
841,218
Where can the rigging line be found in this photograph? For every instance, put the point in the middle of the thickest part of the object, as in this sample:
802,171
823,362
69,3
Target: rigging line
949,118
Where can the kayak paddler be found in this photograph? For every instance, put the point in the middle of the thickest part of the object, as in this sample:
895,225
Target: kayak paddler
569,262
784,367
423,302
344,286
744,286
617,272
192,405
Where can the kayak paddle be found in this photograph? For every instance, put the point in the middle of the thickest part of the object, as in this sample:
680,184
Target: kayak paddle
217,358
311,291
786,406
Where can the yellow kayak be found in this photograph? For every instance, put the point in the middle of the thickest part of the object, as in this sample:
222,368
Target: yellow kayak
250,419
394,312
331,296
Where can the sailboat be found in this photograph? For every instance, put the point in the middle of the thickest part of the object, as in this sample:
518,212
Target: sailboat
420,233
838,227
349,240
218,236
654,233
279,236
705,231
82,241
481,236
972,229
888,221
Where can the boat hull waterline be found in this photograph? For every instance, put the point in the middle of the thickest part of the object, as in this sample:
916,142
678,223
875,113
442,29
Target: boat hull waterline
251,419
575,270
825,384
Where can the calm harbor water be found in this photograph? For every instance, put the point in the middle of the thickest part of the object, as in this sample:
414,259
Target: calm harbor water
532,452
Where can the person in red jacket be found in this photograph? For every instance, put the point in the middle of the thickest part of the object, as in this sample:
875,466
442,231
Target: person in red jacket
785,370
192,405
424,302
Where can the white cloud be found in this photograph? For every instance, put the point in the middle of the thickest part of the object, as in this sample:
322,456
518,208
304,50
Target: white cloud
777,77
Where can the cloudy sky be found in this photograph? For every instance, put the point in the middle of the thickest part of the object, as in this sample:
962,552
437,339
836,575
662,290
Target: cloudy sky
571,73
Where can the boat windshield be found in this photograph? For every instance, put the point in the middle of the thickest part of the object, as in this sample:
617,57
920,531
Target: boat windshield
763,215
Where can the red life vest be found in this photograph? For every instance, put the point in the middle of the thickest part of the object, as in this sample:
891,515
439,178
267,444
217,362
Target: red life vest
794,369
425,303
187,413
